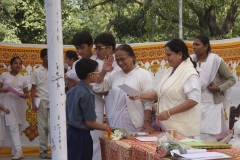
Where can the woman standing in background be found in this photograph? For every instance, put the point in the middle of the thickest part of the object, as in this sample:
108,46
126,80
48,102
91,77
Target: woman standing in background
216,81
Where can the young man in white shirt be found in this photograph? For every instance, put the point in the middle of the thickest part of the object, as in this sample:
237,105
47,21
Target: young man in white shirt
39,81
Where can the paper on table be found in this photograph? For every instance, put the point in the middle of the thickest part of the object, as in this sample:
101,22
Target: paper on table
190,140
142,133
10,89
37,101
72,74
146,139
129,90
203,155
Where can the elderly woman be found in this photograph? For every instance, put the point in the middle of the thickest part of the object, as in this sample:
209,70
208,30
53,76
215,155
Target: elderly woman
178,93
127,114
216,79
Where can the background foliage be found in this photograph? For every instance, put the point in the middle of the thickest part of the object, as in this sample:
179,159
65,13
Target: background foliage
131,21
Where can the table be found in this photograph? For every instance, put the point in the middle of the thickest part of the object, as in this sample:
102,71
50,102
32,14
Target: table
132,149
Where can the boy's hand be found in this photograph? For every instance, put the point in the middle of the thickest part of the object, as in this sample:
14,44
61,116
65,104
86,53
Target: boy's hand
34,107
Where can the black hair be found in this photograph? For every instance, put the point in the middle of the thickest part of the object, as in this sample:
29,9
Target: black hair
106,38
177,45
84,67
43,52
83,37
127,48
71,55
205,40
14,58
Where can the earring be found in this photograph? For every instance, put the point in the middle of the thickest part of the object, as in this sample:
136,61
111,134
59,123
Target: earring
180,57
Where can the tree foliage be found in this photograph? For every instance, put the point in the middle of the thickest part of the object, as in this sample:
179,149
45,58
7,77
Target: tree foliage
23,21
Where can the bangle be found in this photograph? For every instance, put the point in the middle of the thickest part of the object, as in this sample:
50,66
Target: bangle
108,131
147,120
168,113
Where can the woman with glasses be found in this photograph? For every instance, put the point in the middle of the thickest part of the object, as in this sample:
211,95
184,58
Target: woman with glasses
130,115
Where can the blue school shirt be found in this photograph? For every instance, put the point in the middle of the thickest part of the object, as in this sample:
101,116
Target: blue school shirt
80,106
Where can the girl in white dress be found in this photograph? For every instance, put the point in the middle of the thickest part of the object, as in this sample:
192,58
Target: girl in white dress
16,104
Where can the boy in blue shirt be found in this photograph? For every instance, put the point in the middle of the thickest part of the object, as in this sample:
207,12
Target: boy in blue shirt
81,117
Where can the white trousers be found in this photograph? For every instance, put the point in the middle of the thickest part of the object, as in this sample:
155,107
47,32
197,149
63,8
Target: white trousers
43,116
15,134
99,109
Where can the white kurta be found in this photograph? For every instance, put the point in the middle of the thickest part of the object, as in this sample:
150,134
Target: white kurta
14,103
212,114
109,98
138,79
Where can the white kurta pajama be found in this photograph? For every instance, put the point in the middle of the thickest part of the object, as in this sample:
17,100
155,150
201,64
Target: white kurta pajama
123,107
16,120
213,122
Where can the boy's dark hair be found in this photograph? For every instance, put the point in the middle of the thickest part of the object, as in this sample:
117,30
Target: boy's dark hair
84,67
106,38
83,37
43,52
71,54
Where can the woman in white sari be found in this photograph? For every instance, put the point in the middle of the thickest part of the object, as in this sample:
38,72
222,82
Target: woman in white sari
130,115
16,104
216,81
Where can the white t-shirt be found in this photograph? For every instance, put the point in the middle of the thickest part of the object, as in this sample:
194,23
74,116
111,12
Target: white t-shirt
40,79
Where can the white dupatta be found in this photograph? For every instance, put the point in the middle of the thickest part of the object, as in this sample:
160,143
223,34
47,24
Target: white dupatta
209,72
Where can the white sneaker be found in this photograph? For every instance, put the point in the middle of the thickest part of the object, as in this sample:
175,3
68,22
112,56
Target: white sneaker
13,152
18,155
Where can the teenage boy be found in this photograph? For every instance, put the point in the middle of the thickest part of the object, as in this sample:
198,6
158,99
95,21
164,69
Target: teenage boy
81,117
39,81
83,43
104,46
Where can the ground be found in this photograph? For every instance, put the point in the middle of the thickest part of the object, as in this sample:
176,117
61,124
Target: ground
35,157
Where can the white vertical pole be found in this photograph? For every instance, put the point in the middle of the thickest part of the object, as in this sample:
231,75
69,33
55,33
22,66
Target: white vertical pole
56,80
180,19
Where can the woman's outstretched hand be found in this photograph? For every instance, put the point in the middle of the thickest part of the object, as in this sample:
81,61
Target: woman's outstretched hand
134,97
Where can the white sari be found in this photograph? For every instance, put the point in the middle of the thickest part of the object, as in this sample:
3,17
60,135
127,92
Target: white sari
120,117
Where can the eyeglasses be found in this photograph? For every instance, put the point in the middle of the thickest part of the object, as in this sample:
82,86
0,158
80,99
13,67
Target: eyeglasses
121,59
95,72
99,48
